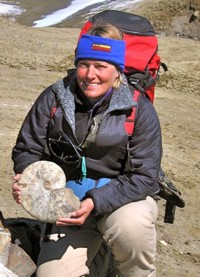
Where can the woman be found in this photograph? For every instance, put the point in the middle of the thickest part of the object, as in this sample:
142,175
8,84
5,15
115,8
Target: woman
113,174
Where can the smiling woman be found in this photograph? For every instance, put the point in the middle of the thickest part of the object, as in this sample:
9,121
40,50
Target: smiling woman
113,174
96,79
100,58
100,62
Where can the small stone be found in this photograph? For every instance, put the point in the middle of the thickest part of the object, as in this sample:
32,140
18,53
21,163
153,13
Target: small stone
187,242
167,238
163,242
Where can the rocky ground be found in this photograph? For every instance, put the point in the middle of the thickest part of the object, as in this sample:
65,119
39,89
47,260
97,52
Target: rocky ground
31,59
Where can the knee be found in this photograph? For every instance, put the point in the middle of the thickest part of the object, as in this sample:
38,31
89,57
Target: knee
130,232
137,231
131,228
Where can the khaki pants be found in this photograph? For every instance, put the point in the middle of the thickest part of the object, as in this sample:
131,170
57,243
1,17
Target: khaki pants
129,232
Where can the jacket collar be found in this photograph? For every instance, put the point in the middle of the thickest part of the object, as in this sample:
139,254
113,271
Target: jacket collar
121,98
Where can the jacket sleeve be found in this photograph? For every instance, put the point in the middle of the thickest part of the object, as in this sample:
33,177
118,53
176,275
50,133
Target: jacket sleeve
142,165
31,139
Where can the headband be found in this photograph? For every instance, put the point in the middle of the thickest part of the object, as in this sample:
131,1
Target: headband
102,49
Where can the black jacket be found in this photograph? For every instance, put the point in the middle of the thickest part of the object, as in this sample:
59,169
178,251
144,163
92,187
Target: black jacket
132,164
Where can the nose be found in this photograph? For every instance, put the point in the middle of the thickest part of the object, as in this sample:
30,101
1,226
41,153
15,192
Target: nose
91,72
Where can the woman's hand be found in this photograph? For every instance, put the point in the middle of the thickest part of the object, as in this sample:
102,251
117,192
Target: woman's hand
16,189
79,216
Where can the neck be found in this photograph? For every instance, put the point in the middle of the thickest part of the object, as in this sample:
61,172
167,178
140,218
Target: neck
98,102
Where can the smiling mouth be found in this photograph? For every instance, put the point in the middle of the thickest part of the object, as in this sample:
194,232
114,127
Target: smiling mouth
92,84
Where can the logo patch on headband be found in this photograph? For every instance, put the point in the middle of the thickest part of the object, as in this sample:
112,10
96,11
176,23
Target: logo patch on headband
101,47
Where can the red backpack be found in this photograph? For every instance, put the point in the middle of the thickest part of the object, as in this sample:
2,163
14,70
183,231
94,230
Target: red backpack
142,62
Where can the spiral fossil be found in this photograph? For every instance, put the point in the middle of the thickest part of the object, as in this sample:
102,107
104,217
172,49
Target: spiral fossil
43,192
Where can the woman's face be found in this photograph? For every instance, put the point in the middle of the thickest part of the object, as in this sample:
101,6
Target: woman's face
95,78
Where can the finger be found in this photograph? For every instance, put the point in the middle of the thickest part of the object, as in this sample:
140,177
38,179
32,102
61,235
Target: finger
16,193
64,224
80,212
67,220
17,196
70,221
17,200
15,187
17,177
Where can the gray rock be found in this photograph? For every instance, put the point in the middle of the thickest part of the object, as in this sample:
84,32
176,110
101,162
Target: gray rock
19,262
5,272
5,241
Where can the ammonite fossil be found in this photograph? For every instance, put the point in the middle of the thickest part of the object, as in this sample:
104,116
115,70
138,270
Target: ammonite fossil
43,192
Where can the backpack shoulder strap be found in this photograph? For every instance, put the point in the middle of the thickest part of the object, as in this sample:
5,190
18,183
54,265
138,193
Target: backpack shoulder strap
130,121
53,111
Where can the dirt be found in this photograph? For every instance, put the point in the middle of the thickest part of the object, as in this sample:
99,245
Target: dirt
32,59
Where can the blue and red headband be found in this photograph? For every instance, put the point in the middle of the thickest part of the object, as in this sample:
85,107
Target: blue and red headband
102,49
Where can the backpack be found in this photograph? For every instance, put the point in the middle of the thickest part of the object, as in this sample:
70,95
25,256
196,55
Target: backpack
142,62
142,65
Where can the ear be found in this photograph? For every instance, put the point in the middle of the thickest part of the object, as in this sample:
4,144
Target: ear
117,73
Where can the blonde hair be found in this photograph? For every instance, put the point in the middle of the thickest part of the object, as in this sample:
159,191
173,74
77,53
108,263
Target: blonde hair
108,31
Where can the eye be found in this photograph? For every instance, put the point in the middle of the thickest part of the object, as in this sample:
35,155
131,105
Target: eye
101,66
82,64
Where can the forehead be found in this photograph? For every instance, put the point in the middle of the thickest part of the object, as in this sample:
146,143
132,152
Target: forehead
94,62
